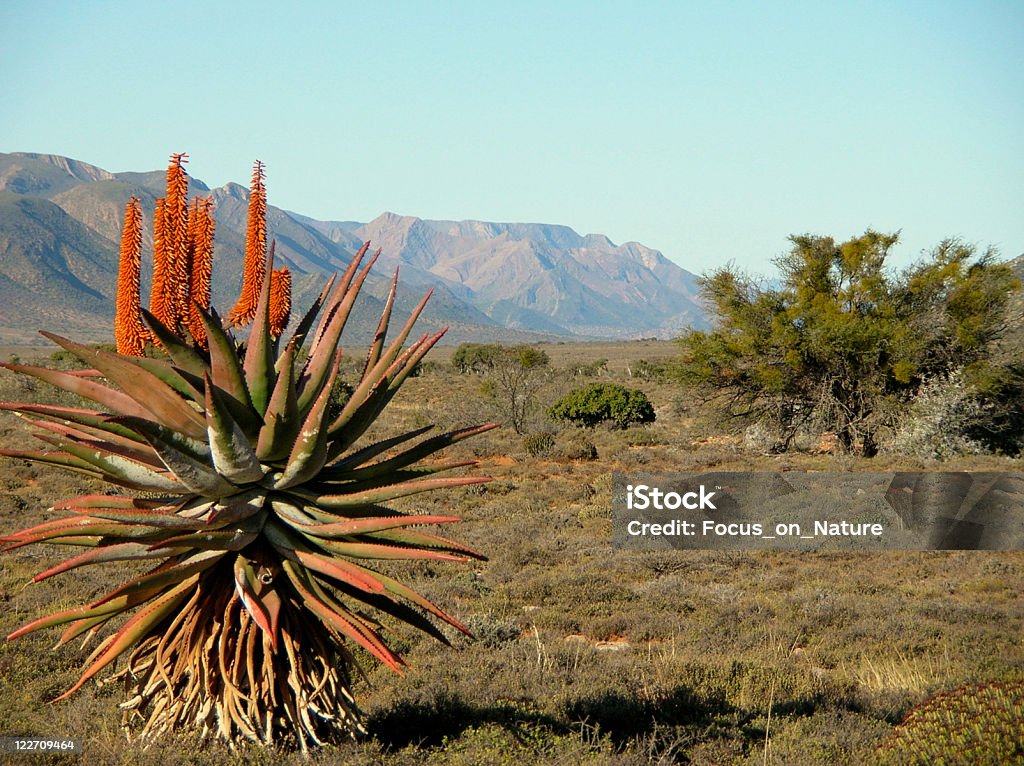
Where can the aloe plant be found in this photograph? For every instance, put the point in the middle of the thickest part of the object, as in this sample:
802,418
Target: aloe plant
259,512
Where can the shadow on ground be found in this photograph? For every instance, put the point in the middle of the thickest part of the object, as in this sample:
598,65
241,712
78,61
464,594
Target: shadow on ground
620,717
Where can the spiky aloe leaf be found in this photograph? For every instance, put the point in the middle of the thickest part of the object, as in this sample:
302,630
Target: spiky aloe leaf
106,443
89,625
352,469
92,418
353,422
226,372
377,344
351,550
309,452
236,508
179,380
400,590
232,453
281,422
116,552
301,330
211,540
351,527
163,403
133,594
334,299
148,618
368,453
401,611
259,362
293,548
182,354
146,518
169,573
298,512
259,598
378,376
366,497
196,476
427,541
339,618
81,526
105,611
116,468
321,356
114,400
90,502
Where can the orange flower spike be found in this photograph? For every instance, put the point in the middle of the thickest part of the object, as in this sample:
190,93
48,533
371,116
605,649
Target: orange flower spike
129,332
201,227
190,238
160,305
255,250
176,231
280,300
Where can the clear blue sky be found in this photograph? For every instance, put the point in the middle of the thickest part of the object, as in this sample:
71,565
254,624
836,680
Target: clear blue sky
710,131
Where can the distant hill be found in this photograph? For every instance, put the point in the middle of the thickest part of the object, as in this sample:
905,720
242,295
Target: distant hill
60,222
55,272
546,278
44,175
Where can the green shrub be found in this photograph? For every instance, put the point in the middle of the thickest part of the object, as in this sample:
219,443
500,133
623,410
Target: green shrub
475,357
65,360
538,444
977,723
601,403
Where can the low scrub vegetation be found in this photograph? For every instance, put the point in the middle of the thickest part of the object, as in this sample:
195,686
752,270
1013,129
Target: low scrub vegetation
583,653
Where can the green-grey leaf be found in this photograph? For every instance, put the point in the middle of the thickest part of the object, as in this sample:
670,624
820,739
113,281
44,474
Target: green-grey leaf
233,455
195,475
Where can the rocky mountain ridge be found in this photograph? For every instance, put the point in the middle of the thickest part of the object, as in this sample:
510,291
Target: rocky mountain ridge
60,222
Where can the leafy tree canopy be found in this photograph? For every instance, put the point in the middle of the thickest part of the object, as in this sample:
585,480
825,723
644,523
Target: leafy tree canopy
842,338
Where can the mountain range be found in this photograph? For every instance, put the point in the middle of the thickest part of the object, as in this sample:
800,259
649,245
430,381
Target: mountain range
60,223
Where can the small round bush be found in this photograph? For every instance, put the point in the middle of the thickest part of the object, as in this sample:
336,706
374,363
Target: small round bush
604,403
